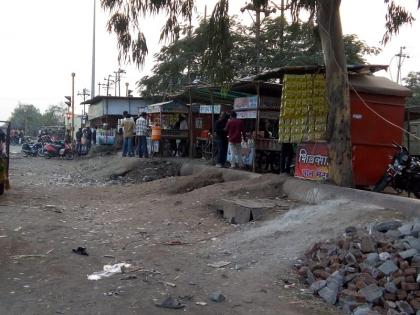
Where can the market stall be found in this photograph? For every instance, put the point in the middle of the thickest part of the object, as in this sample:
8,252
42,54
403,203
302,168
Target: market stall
260,114
170,119
376,104
204,116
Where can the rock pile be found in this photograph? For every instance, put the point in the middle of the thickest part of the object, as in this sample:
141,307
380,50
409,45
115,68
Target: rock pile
367,271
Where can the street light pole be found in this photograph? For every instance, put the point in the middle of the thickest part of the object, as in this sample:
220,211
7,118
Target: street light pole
72,106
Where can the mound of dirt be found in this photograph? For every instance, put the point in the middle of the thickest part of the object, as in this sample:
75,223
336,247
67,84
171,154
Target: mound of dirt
202,179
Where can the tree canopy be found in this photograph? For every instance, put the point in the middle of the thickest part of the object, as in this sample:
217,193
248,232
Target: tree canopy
412,81
301,46
29,116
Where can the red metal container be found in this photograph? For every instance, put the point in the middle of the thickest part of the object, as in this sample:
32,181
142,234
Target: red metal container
371,135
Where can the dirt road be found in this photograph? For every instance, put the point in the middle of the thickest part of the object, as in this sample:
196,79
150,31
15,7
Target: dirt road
167,229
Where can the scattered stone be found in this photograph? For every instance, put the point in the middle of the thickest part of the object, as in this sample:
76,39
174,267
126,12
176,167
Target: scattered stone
350,231
329,295
388,225
403,306
362,310
350,259
406,229
384,256
391,287
408,253
219,264
318,285
372,293
367,272
372,259
388,267
366,245
217,297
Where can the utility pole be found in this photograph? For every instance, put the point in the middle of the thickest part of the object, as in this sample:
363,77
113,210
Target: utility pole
257,24
84,93
126,89
401,58
92,87
72,106
118,80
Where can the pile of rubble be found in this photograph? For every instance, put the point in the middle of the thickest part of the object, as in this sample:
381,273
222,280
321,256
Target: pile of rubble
367,271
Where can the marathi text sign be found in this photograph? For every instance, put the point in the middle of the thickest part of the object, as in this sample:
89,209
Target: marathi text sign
312,161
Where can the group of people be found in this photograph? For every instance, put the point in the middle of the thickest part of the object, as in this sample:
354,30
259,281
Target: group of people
85,137
138,129
230,132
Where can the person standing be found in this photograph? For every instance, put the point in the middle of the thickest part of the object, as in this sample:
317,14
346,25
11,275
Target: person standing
128,126
94,136
79,134
221,139
141,133
235,129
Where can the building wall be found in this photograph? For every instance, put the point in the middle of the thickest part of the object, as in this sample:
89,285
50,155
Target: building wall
116,107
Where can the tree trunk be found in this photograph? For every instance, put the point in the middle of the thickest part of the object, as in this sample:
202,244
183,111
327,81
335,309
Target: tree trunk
338,128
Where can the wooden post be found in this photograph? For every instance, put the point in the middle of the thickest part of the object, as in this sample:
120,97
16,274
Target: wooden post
212,125
190,124
257,128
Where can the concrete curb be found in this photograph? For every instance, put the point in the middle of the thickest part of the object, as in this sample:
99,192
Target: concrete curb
314,192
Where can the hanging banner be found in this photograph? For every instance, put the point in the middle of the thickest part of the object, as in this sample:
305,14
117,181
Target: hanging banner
312,161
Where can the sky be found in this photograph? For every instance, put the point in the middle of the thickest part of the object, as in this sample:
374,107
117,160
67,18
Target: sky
44,41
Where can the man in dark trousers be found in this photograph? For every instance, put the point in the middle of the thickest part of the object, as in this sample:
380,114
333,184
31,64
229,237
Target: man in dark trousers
221,139
79,135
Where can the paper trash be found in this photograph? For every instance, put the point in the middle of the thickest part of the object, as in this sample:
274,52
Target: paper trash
109,270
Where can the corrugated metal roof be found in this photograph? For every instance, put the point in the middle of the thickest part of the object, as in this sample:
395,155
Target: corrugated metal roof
280,72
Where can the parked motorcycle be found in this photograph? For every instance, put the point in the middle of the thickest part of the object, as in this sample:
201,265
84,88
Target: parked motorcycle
403,174
58,149
31,149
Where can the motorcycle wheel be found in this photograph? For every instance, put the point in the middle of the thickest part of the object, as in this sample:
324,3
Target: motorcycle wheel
1,189
417,194
47,155
381,185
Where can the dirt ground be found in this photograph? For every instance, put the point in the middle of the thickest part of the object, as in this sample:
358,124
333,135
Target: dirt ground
139,212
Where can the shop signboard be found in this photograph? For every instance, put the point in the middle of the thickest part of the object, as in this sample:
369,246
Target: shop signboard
312,161
249,102
207,109
249,114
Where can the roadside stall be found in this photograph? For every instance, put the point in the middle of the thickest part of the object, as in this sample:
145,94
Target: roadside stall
377,116
4,155
260,114
169,124
204,117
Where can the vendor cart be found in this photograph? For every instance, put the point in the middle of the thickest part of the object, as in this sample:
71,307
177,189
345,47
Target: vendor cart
4,155
262,151
173,137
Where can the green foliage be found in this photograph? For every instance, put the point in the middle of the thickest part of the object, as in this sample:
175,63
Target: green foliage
412,81
298,44
31,117
26,115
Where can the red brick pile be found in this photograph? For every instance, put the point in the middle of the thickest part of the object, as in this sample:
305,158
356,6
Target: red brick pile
367,271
